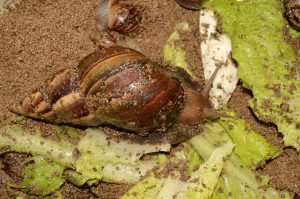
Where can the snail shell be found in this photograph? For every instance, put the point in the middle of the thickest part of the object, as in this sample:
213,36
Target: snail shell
133,93
111,14
121,87
292,13
118,86
190,4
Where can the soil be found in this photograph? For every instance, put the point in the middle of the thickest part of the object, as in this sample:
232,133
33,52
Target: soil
41,37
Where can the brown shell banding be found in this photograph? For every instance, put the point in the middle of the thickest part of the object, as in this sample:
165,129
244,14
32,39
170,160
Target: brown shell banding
190,4
120,17
42,108
101,68
60,85
123,18
67,109
98,64
59,100
151,104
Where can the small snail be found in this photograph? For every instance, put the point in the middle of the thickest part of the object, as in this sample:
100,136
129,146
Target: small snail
123,18
292,13
190,4
121,87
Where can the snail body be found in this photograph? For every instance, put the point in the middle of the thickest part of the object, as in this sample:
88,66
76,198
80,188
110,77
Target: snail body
292,13
121,87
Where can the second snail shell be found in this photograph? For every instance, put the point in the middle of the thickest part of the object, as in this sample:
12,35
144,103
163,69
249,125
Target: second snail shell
123,18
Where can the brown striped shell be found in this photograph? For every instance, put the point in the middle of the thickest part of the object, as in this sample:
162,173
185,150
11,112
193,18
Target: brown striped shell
292,13
111,14
190,4
117,86
58,100
121,87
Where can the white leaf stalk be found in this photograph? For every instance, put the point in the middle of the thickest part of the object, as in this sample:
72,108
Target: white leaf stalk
216,52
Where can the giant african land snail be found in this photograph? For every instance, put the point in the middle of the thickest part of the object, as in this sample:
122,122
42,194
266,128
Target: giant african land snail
121,87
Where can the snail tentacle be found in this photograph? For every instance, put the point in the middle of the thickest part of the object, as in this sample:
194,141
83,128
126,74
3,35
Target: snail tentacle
197,105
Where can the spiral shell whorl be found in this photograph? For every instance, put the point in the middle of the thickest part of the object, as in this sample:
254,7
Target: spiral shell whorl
58,100
111,14
94,66
124,18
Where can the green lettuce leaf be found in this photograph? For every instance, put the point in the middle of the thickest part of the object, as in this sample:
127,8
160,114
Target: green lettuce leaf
112,160
147,188
251,147
265,61
173,49
42,177
99,158
208,174
237,179
14,138
200,184
74,177
189,154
